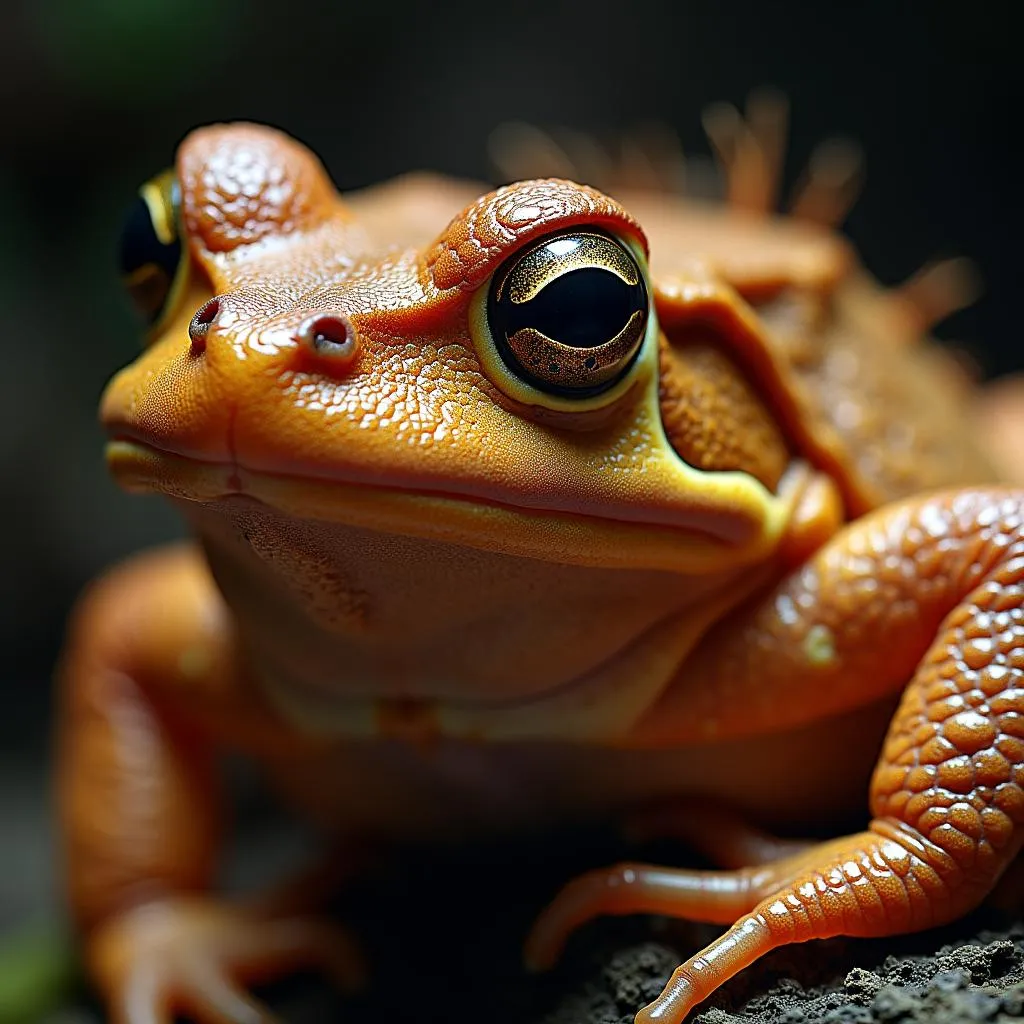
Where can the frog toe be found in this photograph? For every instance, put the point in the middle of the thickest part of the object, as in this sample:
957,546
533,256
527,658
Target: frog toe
199,957
629,888
212,996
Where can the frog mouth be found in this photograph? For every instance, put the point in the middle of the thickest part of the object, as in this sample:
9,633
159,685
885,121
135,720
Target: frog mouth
551,534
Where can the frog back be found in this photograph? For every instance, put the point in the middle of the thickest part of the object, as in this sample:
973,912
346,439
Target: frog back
849,379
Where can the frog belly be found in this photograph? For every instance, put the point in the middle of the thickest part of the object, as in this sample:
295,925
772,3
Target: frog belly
449,790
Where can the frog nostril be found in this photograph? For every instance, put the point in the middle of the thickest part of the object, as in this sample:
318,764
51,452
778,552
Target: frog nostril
199,325
332,336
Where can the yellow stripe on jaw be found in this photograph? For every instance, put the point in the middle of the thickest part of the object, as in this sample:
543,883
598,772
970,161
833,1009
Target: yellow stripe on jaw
536,533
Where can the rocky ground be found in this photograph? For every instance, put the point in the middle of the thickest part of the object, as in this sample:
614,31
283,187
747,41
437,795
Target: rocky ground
975,974
443,935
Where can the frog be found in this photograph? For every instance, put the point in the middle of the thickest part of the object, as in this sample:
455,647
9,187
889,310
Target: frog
528,506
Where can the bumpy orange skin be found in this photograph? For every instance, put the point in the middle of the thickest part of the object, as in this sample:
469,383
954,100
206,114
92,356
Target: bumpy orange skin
694,593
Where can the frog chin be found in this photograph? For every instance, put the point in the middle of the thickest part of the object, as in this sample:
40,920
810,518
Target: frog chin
600,705
358,632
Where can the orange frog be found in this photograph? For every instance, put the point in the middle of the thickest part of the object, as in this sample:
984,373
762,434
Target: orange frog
573,507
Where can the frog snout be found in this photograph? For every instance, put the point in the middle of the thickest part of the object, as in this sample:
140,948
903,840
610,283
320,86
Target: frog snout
324,340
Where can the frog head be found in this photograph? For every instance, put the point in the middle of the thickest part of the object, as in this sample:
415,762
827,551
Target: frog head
425,453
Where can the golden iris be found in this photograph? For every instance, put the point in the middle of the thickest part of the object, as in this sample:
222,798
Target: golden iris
154,262
568,314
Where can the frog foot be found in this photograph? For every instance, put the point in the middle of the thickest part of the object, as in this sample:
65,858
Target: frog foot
882,881
196,957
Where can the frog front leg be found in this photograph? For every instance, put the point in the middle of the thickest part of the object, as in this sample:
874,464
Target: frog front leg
931,590
149,677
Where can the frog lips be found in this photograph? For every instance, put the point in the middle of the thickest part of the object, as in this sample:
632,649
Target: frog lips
630,535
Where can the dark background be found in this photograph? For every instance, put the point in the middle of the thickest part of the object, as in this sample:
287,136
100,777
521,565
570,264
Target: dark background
95,95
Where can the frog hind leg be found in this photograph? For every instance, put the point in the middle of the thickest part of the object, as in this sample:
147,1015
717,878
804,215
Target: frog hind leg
150,680
931,590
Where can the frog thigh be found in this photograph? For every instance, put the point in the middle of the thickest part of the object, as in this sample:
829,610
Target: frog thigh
151,687
131,771
930,590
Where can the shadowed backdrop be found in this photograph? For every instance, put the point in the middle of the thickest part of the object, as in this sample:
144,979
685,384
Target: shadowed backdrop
95,95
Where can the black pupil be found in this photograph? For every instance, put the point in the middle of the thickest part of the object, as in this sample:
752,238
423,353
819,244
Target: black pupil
582,308
147,264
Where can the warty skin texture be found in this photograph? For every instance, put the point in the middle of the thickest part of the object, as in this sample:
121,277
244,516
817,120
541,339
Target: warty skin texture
433,601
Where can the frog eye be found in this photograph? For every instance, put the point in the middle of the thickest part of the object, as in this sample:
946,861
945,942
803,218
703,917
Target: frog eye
569,314
154,263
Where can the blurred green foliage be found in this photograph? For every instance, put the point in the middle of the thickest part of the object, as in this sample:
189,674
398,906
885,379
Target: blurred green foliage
38,971
130,51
